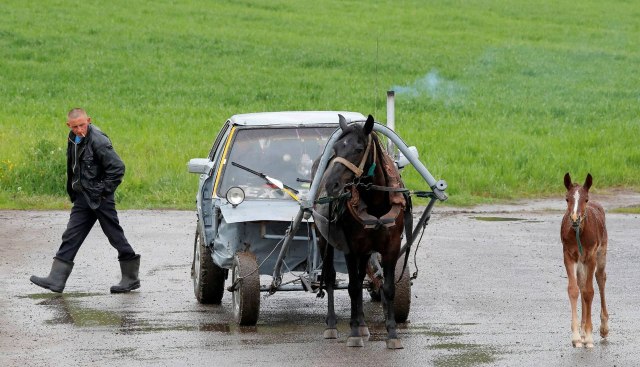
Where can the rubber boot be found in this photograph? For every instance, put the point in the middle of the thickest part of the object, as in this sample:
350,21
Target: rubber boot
130,280
57,279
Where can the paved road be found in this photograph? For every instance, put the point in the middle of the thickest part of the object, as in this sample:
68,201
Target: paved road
491,290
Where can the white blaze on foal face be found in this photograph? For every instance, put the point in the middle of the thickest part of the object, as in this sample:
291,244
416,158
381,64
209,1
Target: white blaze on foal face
576,201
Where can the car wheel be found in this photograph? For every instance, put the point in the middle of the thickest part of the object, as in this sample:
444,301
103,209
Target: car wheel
208,278
402,299
246,293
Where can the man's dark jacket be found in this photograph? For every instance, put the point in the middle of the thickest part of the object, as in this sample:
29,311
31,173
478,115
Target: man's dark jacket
93,167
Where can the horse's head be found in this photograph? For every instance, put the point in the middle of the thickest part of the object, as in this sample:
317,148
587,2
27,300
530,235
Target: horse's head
577,198
350,155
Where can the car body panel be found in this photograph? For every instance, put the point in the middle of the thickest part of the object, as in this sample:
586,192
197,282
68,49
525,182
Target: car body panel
259,210
260,222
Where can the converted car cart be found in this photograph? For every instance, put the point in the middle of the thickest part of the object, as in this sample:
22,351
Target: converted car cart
253,207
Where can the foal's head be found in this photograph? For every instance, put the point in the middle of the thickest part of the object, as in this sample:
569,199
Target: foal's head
351,147
577,198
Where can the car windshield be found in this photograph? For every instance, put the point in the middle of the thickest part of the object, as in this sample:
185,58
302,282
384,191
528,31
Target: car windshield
285,154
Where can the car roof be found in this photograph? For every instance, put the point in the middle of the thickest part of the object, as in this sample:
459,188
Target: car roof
294,118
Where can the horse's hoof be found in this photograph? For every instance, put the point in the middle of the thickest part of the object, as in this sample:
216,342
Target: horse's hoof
394,344
330,334
604,331
588,345
355,341
364,331
577,344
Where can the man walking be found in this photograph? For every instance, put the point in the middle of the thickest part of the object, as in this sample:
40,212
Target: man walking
94,171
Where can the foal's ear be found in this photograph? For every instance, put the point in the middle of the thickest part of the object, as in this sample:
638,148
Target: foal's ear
567,181
587,182
368,126
343,122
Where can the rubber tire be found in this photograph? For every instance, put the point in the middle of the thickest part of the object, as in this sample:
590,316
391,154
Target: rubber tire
246,296
375,295
208,278
402,299
374,291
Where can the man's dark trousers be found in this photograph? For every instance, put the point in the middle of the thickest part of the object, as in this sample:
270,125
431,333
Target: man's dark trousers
81,221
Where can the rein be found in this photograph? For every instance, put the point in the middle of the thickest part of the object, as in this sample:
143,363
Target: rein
576,227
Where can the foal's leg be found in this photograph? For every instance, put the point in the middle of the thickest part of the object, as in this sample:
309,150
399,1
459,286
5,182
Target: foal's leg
587,296
329,279
601,278
354,339
573,291
580,274
388,295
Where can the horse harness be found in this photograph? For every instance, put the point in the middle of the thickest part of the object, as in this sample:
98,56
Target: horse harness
354,203
399,198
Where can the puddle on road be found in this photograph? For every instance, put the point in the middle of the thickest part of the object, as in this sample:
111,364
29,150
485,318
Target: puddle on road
438,333
498,219
155,270
466,358
68,310
147,327
60,295
455,353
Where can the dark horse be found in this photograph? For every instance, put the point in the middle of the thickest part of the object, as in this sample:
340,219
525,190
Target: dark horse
584,240
362,213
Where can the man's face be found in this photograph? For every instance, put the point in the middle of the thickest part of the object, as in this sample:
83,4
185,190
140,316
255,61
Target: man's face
79,125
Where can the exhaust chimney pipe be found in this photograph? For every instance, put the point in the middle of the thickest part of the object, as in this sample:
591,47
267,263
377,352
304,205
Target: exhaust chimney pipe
391,122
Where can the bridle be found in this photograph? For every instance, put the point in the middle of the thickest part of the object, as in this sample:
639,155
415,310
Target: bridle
359,170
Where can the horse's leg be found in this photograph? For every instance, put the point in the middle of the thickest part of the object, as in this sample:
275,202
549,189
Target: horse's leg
587,296
573,291
601,278
388,295
362,272
329,278
354,339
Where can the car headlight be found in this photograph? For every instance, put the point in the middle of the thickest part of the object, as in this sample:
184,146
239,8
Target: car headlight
235,196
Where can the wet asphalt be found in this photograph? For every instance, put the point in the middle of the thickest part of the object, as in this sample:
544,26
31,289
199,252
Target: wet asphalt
490,290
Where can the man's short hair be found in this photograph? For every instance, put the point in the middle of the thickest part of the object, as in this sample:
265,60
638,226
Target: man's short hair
74,113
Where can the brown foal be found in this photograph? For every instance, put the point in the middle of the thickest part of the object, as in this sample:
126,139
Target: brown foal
584,240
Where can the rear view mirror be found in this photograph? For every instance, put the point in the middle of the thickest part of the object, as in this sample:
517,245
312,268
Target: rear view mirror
403,160
199,165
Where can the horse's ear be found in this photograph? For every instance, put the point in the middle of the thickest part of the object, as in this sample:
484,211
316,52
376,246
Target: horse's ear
567,181
343,122
368,126
587,182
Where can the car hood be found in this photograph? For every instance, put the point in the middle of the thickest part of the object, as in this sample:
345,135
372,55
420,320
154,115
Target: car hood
259,210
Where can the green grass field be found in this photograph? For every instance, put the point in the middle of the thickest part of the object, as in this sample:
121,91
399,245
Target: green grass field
500,97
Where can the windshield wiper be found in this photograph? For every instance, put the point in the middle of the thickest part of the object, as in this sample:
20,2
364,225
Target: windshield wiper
277,183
